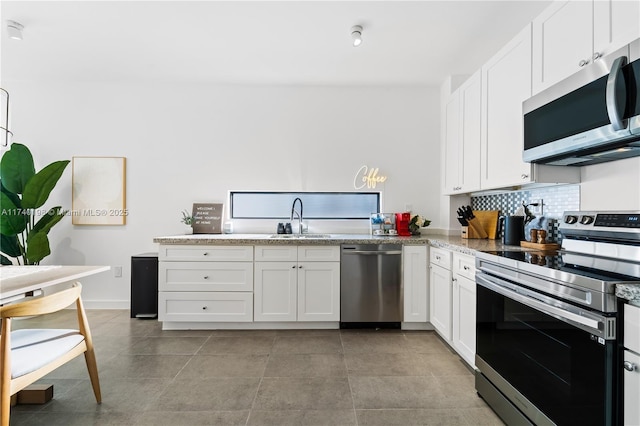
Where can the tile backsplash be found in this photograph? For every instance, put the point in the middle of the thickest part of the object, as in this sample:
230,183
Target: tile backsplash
556,200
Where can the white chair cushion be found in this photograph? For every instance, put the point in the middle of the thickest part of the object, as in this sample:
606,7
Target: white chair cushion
34,348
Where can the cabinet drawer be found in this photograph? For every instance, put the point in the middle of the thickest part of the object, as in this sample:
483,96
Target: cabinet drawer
441,257
205,306
464,265
276,253
632,327
205,276
205,253
319,253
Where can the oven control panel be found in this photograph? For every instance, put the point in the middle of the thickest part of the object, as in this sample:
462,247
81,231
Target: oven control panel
604,221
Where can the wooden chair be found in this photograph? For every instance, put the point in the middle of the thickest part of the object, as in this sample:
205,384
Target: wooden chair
28,355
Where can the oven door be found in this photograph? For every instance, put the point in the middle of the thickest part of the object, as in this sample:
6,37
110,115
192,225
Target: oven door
551,363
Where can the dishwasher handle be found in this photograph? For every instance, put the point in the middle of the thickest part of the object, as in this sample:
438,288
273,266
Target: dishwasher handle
372,253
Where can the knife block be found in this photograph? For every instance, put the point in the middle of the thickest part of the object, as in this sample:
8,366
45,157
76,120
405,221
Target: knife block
469,232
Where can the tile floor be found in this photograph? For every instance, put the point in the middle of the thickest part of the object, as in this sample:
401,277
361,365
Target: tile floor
287,377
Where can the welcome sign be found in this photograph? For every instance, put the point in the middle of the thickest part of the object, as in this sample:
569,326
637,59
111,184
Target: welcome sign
207,218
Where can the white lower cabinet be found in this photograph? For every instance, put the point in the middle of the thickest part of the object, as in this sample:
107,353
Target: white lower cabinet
464,307
631,365
415,283
304,288
205,283
205,306
440,291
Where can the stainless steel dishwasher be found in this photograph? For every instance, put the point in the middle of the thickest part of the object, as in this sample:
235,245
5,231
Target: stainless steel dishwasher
371,285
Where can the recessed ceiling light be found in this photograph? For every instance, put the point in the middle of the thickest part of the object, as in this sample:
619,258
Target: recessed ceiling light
356,35
14,29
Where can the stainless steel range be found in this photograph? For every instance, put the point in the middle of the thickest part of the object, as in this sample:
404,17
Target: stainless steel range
547,323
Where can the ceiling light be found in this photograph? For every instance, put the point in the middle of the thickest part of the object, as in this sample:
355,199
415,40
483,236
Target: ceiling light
15,30
356,35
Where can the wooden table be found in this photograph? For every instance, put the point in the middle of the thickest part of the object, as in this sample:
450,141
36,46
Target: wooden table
18,281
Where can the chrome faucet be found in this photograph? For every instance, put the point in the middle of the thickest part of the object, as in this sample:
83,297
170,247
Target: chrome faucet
293,210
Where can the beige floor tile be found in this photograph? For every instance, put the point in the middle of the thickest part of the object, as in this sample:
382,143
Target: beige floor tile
386,364
245,344
209,394
374,343
228,365
193,418
411,417
307,344
143,366
302,418
315,393
178,345
306,365
395,392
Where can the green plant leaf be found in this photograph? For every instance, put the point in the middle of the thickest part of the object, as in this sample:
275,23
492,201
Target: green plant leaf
16,168
41,184
15,198
10,246
53,216
5,260
37,247
12,218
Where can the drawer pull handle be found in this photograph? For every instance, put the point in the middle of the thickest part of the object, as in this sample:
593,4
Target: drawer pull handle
300,267
437,257
206,277
204,308
293,267
629,366
205,253
466,268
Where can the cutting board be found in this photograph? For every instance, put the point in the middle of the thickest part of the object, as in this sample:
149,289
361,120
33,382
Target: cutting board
489,221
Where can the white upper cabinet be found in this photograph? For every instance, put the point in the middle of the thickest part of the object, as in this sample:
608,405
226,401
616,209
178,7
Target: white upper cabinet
462,137
572,34
506,83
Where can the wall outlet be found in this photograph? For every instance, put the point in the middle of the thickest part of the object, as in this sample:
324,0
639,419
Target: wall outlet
117,271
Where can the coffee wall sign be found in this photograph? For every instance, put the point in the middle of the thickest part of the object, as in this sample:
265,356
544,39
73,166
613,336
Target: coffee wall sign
207,218
368,177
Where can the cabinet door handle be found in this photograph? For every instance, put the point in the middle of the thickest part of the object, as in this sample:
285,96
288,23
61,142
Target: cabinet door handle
206,277
583,62
597,55
204,308
300,267
524,176
205,253
465,267
629,366
437,257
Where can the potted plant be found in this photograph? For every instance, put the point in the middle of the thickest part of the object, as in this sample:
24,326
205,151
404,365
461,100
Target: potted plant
187,219
416,223
24,224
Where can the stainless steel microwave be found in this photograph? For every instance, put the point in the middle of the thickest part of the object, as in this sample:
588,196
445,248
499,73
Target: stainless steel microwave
590,117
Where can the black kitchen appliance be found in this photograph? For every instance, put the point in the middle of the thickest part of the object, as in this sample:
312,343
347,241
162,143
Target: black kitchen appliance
513,230
547,323
590,117
144,285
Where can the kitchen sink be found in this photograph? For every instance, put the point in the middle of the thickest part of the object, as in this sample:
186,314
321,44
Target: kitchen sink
299,236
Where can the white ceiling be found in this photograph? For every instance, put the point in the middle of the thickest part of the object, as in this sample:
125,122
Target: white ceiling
288,42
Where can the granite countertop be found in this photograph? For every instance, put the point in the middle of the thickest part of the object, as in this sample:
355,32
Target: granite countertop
455,243
293,239
630,292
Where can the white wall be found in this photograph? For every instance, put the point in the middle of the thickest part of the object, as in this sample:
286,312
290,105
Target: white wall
188,143
611,186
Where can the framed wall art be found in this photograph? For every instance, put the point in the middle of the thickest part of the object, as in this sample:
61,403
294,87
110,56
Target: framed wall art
98,195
